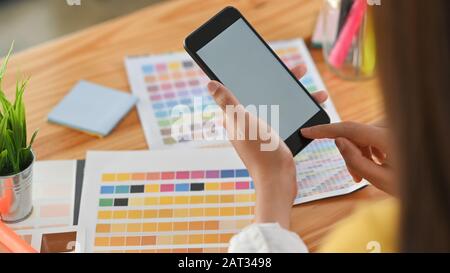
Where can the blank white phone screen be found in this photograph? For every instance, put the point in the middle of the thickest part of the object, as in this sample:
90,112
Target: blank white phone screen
244,65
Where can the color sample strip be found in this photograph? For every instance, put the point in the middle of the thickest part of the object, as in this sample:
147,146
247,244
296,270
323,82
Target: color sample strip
147,227
169,250
178,175
196,186
54,210
117,241
176,212
178,200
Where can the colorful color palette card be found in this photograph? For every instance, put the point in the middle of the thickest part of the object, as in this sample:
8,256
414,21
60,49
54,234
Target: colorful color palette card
162,82
186,200
322,173
92,108
53,195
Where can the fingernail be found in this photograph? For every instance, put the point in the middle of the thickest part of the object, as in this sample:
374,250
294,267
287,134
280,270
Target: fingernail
340,144
305,131
213,86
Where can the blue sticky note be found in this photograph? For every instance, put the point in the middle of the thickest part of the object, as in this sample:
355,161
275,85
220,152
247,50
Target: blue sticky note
92,108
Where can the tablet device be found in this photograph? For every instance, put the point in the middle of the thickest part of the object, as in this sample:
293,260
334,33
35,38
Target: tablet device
230,51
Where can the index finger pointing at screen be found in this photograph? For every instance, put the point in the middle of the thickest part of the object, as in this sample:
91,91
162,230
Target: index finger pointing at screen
363,135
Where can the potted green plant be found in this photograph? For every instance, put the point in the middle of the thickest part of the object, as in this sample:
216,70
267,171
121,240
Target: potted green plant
16,155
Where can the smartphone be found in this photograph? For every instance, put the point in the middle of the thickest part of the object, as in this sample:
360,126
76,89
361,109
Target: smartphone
229,50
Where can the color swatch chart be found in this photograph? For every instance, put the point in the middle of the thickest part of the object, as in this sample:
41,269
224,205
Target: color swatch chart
321,173
137,202
226,194
53,195
162,82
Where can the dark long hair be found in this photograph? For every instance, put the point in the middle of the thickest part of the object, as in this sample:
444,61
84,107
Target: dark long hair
413,40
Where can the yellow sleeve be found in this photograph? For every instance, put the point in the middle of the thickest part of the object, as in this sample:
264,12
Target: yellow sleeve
372,228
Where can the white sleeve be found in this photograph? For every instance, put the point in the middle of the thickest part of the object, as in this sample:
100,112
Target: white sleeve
266,238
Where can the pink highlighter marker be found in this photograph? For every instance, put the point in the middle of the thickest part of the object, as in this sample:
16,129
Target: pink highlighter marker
339,52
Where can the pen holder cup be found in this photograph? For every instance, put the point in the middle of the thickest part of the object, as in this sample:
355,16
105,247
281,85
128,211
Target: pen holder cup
16,194
349,46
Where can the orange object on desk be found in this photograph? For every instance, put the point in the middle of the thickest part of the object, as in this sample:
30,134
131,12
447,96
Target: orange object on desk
7,196
13,242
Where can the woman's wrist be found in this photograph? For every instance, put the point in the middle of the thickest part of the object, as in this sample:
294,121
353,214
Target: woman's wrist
274,203
265,213
275,192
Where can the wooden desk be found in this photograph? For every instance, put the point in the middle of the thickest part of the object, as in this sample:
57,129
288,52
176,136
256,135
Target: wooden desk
97,53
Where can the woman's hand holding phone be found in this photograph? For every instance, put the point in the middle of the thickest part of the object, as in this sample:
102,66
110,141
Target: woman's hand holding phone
273,172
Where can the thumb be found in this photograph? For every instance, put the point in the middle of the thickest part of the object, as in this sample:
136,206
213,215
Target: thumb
221,95
236,120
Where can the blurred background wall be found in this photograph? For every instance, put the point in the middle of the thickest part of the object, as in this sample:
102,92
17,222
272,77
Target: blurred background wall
31,22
